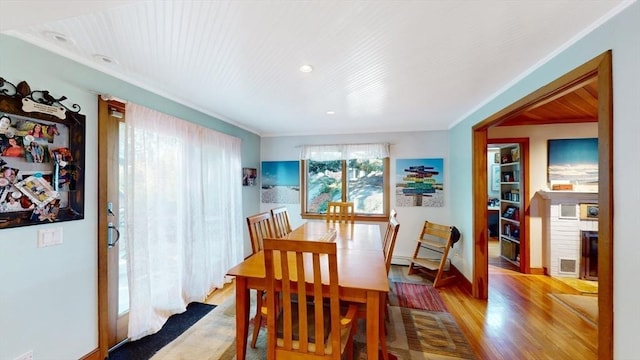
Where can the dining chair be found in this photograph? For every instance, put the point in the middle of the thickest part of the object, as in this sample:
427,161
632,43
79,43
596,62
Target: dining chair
341,212
389,243
282,225
260,227
303,329
392,215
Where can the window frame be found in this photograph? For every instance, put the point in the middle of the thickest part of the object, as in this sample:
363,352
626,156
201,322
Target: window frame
386,193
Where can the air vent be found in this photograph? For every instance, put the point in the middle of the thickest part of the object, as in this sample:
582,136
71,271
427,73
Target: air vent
568,266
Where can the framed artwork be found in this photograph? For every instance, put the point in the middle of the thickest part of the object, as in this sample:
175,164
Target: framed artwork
281,182
574,162
419,182
495,177
42,150
249,176
510,212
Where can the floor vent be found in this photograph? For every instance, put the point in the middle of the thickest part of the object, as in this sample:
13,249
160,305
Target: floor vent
568,266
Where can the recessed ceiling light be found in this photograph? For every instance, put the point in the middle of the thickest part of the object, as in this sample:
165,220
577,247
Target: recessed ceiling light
306,68
331,112
59,37
105,59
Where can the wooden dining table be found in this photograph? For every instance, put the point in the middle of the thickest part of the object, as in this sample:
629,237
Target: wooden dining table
362,275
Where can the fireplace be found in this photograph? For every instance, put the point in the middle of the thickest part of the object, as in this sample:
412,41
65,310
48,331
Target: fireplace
589,258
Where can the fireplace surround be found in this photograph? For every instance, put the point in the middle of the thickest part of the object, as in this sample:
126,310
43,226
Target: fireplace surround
569,238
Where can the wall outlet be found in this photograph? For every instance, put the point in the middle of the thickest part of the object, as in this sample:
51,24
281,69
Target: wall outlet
26,356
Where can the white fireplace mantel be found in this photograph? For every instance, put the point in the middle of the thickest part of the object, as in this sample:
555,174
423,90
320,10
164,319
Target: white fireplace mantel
576,195
561,243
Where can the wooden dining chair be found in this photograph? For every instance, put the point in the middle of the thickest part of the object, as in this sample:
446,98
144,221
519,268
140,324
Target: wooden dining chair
437,240
341,212
392,215
305,329
389,243
282,225
260,227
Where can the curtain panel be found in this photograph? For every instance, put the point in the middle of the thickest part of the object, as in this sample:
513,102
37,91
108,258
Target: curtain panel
344,152
183,214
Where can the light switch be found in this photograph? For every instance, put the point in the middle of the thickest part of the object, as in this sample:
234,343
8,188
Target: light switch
49,237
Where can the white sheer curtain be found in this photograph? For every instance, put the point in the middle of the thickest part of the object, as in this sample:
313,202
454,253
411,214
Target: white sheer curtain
344,152
183,214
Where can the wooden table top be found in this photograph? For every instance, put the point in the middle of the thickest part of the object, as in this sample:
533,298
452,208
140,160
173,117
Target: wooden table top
360,259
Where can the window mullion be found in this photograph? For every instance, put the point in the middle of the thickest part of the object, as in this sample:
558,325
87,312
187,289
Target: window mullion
345,171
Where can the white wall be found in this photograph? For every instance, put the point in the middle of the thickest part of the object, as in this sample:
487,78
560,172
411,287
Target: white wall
405,145
538,136
48,296
620,34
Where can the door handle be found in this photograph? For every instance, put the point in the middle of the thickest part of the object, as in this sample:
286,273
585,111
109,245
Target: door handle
110,230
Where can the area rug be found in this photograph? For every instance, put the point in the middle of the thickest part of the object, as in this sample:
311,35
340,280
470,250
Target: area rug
144,348
581,285
585,306
411,334
416,296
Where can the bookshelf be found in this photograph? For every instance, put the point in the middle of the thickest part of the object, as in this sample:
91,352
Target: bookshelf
510,202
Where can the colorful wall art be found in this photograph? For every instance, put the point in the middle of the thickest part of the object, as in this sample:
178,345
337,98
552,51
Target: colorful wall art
281,182
575,162
420,182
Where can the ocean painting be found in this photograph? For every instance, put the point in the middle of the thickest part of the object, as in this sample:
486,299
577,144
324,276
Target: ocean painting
281,182
419,182
574,161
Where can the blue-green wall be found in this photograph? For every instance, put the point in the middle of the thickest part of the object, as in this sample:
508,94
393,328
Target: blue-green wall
622,35
48,297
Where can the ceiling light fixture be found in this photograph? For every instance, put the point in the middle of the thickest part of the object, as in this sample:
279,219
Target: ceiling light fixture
105,59
330,112
59,37
306,68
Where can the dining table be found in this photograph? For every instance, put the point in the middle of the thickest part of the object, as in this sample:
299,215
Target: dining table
362,275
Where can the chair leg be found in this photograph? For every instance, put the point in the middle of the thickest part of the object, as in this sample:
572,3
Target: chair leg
349,348
257,320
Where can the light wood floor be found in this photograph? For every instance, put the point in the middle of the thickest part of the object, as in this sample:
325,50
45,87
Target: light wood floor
518,321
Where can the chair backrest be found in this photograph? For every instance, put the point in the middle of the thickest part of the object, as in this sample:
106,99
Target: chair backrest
260,227
288,263
390,240
392,215
281,223
341,212
436,234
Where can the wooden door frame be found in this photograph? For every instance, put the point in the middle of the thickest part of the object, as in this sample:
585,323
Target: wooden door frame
601,68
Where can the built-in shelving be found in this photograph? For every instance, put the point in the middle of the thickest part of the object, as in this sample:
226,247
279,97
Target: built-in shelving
510,202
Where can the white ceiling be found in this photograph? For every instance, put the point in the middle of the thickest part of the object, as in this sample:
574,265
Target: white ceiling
382,66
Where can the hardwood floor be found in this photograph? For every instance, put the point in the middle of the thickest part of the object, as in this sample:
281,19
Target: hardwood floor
518,321
496,260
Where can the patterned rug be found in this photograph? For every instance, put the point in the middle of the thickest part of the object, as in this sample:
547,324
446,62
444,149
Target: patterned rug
411,333
416,296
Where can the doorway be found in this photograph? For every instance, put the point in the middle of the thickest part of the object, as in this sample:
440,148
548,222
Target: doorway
598,73
508,245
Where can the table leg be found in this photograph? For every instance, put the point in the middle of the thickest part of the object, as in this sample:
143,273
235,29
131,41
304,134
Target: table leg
242,317
373,324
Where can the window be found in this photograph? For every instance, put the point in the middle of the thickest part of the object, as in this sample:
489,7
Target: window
357,173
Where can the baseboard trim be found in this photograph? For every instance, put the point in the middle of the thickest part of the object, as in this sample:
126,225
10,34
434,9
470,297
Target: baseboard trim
537,271
461,280
93,355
